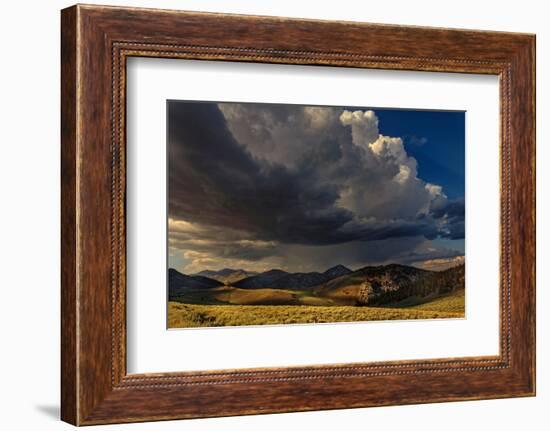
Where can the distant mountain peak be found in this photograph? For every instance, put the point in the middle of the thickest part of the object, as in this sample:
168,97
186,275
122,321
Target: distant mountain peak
339,267
264,279
227,271
337,271
174,271
226,275
179,282
274,271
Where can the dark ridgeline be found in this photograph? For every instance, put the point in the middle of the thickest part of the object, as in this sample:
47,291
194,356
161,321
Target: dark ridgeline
371,285
393,283
225,272
265,279
226,276
337,271
277,279
178,281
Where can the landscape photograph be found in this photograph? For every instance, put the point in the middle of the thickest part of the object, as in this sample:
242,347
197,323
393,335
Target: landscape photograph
285,214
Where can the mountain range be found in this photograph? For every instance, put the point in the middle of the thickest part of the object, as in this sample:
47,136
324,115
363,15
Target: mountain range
226,275
177,280
277,279
339,285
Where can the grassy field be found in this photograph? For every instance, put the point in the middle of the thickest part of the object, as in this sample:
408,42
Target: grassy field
181,315
453,303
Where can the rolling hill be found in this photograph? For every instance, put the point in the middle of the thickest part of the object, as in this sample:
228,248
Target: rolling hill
263,280
378,286
179,283
226,275
277,279
337,271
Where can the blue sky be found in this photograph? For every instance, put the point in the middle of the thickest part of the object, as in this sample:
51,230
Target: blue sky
435,139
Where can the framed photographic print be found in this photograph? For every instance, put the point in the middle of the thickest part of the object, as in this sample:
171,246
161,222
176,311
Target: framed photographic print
273,211
251,205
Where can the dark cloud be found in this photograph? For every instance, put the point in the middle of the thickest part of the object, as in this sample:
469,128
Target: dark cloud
357,253
446,207
453,211
213,180
284,174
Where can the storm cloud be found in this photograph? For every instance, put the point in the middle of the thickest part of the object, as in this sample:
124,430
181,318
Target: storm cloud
250,182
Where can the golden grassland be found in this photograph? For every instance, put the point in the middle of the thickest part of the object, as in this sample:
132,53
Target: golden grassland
453,302
182,315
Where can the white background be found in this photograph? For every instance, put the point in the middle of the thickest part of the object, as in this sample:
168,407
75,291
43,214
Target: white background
151,348
29,227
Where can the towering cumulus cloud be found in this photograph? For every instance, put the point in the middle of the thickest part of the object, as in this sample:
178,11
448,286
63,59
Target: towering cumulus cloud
260,186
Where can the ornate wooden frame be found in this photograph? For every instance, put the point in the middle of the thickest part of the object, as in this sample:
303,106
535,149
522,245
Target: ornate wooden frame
96,41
